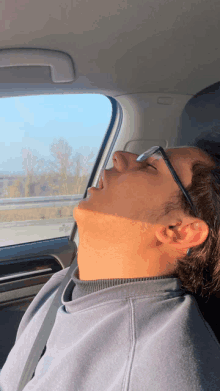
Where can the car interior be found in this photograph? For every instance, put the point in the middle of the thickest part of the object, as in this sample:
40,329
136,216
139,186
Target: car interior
156,62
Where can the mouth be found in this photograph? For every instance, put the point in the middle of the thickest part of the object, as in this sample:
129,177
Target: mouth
100,185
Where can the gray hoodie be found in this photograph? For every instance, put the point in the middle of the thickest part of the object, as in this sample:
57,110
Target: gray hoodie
143,334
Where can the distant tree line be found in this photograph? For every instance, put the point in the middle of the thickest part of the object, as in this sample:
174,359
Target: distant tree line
65,175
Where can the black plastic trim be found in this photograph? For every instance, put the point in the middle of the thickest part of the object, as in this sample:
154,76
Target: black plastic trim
19,269
10,286
54,246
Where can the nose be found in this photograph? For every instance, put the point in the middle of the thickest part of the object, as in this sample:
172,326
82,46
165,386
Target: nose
124,160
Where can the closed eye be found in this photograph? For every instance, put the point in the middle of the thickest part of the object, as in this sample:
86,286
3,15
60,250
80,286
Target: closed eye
152,166
145,164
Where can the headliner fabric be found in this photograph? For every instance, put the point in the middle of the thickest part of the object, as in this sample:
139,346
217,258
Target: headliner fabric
143,334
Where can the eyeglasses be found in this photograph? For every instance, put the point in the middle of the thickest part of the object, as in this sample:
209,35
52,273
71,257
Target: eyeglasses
159,151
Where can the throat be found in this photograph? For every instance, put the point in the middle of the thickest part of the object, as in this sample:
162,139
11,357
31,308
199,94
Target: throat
111,246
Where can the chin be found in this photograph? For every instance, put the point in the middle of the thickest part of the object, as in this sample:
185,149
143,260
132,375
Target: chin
88,203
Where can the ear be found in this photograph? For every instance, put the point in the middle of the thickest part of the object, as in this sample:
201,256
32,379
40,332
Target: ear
183,235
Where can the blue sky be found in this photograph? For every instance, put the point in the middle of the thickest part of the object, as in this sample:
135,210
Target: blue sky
35,122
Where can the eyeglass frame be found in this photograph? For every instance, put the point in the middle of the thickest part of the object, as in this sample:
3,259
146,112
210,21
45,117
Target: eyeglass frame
155,149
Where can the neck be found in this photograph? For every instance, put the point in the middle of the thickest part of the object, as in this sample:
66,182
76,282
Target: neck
115,247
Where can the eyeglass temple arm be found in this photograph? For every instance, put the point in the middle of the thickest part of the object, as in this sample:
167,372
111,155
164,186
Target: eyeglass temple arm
177,179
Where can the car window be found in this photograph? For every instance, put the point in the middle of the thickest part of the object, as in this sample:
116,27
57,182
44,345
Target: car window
48,147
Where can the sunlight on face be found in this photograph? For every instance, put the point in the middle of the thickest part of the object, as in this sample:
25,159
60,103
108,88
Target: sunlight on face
135,190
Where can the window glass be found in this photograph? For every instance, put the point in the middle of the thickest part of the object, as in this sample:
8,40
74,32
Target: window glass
48,147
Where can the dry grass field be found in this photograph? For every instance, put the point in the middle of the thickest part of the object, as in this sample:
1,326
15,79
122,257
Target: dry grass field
48,184
37,214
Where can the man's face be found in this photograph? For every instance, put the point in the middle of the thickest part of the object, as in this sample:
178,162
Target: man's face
134,189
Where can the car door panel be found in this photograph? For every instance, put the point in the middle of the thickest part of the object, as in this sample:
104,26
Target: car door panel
21,278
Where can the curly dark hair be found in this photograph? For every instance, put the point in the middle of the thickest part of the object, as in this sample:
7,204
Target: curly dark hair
199,271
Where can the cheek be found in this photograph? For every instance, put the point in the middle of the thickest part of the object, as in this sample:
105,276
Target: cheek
140,190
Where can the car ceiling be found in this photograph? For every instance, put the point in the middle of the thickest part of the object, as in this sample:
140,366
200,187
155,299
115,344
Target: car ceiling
119,47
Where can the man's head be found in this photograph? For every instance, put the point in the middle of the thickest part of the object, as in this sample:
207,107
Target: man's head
140,192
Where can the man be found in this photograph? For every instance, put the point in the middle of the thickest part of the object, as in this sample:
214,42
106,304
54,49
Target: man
137,192
125,321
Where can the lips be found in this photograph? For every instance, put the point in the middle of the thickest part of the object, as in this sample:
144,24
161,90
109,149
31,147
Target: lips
101,185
